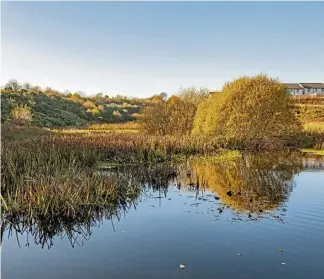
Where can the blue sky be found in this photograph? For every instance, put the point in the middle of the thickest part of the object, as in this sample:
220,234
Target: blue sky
144,48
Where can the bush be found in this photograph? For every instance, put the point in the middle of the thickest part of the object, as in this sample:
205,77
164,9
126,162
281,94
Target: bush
253,112
172,117
96,112
154,118
21,115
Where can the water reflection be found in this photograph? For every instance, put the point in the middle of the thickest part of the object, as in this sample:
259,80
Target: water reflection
42,229
254,184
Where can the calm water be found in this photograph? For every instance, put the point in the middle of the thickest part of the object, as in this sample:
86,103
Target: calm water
221,220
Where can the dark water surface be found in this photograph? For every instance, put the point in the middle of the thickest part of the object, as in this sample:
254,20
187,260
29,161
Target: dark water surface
259,217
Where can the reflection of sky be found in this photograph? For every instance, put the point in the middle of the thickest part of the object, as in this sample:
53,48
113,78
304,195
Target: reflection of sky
151,242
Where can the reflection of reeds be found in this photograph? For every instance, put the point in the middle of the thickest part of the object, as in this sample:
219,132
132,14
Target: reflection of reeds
71,207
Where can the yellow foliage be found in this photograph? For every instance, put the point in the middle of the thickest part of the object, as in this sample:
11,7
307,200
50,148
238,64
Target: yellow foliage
174,117
256,111
21,114
255,182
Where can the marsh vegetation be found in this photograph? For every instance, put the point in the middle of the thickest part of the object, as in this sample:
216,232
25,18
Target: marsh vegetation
66,185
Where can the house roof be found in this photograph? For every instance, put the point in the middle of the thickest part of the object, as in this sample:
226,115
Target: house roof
292,85
313,85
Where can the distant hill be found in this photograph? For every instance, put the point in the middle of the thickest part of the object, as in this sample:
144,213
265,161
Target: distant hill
46,111
50,108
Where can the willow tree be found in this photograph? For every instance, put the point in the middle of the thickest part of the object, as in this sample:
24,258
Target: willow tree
154,118
174,116
193,95
255,112
180,116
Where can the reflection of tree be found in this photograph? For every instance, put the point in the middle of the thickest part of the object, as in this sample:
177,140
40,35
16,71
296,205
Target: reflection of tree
253,183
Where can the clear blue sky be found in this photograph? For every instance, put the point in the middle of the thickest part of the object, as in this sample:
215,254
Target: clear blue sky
139,49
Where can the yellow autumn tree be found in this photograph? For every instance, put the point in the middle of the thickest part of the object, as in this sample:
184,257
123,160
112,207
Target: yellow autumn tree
173,117
180,116
154,118
255,112
21,115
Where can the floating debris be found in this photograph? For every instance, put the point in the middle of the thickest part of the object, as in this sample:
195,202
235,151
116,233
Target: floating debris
182,266
283,263
279,250
238,254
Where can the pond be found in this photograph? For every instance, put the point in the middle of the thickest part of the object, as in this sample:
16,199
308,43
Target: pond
260,216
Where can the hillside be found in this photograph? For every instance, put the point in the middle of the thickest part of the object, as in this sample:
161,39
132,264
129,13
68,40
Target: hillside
26,104
50,108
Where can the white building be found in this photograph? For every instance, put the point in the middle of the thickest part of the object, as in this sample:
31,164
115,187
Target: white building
305,88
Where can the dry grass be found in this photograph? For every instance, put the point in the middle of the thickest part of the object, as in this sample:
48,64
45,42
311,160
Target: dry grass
126,128
115,126
310,100
314,127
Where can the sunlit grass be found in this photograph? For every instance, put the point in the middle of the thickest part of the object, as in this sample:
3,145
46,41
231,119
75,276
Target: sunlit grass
313,151
115,126
314,127
93,131
126,128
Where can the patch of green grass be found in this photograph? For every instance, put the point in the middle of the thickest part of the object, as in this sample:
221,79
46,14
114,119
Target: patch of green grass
221,156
